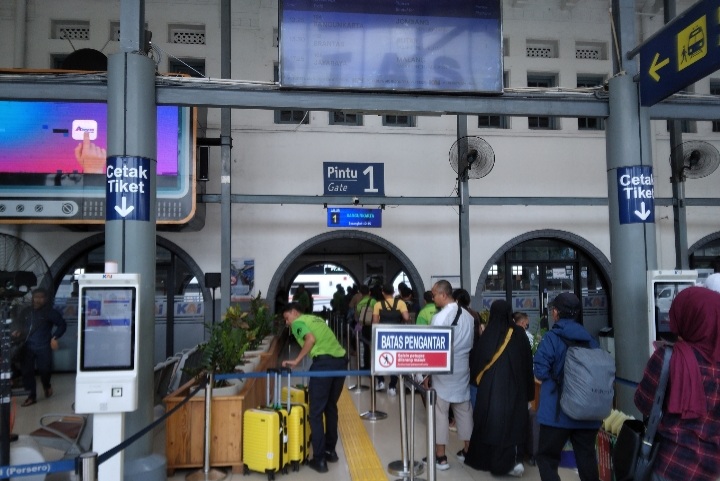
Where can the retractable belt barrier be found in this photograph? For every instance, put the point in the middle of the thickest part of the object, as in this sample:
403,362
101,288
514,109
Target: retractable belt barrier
22,470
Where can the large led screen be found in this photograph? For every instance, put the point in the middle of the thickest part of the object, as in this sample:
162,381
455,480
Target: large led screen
412,45
52,162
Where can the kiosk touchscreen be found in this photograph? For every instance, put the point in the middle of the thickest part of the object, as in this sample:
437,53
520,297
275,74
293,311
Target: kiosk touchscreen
107,347
663,286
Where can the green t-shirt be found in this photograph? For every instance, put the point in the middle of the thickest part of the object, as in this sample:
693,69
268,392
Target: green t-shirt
426,313
325,340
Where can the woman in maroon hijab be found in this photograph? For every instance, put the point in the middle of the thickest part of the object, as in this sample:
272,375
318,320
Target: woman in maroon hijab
690,427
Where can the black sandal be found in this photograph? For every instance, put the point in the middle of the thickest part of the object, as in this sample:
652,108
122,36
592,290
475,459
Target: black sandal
28,402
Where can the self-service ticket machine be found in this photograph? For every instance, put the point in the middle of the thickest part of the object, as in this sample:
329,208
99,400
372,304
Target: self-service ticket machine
107,363
663,286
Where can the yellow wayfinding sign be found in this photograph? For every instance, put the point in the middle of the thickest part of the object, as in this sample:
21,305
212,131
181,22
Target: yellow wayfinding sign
684,51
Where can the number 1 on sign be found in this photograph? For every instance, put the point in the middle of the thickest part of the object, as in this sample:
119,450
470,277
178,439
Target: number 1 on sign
369,172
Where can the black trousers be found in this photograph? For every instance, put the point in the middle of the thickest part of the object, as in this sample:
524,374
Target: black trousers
42,358
324,393
550,446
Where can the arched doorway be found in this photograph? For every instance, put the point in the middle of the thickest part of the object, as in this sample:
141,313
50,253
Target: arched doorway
363,255
181,298
530,270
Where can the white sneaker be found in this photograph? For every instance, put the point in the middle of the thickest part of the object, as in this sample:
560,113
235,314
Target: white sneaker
392,392
380,386
517,471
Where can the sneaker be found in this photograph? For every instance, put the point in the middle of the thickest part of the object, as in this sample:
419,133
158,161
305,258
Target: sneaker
392,392
318,465
461,455
517,471
380,386
453,428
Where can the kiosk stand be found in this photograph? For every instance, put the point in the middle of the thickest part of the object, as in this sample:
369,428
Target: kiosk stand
107,364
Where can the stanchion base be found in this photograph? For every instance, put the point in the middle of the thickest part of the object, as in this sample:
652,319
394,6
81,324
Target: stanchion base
373,415
406,479
201,475
358,388
396,468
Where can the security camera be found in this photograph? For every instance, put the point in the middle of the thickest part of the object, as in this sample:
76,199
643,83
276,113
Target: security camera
356,200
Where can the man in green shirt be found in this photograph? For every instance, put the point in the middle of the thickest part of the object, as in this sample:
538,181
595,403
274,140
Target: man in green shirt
317,340
363,316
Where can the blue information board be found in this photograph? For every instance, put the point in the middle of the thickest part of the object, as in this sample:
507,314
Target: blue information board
354,178
636,194
353,217
681,53
127,188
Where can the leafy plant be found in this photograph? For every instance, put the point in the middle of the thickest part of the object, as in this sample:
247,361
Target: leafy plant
226,344
259,321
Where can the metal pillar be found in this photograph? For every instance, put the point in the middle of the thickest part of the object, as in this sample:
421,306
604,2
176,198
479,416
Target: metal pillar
132,118
225,161
632,246
464,195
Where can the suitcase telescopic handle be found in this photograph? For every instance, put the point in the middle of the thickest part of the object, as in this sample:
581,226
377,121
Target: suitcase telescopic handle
289,375
270,372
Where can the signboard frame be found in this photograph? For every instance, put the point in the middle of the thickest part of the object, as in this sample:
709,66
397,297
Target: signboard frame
419,337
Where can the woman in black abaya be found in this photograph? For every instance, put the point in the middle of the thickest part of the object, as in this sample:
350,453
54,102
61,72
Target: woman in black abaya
505,388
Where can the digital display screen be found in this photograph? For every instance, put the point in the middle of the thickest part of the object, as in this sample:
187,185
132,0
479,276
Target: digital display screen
107,328
53,154
427,45
665,293
353,217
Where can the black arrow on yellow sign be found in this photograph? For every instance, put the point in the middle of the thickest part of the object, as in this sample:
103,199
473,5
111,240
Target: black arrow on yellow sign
656,66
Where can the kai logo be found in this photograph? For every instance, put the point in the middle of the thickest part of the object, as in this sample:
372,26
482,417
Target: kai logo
79,127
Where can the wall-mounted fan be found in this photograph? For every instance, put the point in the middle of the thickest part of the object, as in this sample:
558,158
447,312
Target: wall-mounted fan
699,159
472,155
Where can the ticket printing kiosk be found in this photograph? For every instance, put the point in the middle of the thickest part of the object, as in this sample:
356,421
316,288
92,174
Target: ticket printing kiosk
107,363
663,286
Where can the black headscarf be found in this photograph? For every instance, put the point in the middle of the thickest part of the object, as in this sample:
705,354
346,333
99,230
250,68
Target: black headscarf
499,322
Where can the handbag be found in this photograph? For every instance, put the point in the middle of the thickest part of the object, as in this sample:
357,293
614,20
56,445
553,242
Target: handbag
636,448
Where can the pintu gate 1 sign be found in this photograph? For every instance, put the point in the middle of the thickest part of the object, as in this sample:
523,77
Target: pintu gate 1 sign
399,349
636,194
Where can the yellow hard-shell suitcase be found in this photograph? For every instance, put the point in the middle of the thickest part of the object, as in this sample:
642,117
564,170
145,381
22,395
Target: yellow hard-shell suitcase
265,437
298,427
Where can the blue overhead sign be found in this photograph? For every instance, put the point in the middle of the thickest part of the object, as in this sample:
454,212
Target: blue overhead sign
353,217
127,188
681,53
636,194
354,178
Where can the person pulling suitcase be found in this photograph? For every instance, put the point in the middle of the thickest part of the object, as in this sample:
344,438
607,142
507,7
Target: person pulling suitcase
317,340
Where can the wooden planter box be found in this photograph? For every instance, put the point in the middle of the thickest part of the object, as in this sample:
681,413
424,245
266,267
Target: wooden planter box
185,429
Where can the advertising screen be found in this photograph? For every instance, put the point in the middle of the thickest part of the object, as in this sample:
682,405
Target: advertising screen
107,328
412,45
52,162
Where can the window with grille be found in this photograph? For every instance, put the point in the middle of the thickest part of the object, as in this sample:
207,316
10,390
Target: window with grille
715,90
542,122
590,123
115,31
590,51
186,34
686,126
70,30
541,49
289,116
398,120
488,121
339,117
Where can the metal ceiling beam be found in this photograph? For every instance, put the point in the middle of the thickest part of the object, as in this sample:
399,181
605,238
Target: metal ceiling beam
219,94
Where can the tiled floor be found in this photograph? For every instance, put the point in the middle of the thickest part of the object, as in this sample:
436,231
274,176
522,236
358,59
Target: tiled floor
384,435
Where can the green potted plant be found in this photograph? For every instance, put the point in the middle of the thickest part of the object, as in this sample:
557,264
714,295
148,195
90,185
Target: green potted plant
225,347
259,322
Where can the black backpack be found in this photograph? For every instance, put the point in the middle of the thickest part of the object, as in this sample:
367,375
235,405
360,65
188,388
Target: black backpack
390,315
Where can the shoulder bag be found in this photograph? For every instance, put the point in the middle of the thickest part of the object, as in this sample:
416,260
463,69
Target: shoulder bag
636,448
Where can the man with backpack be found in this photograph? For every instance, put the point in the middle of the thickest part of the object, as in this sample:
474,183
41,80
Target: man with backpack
556,426
389,311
